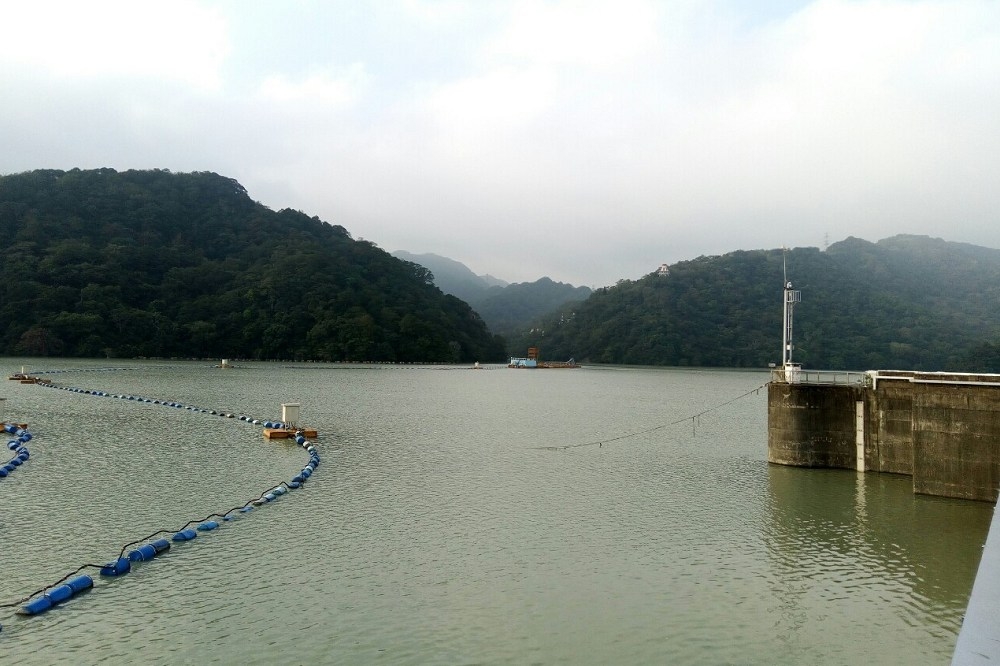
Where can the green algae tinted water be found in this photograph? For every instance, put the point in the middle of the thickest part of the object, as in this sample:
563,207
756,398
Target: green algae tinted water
496,516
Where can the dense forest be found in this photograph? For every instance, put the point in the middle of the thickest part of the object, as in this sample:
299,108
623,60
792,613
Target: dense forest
907,302
156,264
507,309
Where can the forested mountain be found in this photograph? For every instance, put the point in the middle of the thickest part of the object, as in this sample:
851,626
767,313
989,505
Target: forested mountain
150,263
509,309
506,308
453,277
907,302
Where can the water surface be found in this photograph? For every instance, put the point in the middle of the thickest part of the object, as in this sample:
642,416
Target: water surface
496,516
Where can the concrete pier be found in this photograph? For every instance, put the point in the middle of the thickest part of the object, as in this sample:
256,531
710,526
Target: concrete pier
942,429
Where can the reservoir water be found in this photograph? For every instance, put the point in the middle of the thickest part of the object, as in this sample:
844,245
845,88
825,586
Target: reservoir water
591,516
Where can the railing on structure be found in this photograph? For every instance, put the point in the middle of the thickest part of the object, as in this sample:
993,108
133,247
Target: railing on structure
796,375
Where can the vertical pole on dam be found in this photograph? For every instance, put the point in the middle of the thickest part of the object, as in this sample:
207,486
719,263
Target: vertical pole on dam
791,297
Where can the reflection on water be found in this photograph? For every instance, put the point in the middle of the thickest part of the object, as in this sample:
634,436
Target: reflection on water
840,540
441,530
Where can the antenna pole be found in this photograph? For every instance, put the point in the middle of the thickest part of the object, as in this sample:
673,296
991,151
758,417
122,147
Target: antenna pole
791,297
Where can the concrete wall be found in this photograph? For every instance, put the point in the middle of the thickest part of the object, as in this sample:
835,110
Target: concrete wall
956,441
942,430
812,425
889,428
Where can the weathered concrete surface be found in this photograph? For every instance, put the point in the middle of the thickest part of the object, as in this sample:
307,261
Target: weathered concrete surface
941,429
956,441
811,425
979,639
889,428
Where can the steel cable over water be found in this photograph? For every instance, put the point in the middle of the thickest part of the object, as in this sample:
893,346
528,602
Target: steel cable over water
693,419
154,544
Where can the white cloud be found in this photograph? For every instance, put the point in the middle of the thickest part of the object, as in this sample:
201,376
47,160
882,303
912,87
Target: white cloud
329,90
625,134
173,39
595,33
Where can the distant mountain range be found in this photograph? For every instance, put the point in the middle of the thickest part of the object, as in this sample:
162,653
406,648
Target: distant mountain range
506,308
151,263
453,277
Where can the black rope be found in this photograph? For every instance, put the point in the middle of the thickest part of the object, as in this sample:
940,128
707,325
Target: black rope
694,419
157,533
49,587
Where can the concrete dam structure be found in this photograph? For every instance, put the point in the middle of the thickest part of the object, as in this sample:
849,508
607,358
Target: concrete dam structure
942,429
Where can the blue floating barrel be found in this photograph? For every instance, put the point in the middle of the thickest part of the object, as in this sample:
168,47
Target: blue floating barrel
3,472
160,545
297,479
246,509
80,583
299,439
268,424
26,437
143,553
35,606
59,594
208,525
294,484
306,473
185,535
13,444
16,462
119,567
270,497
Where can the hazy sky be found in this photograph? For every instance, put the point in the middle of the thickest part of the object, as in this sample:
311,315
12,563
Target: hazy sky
583,141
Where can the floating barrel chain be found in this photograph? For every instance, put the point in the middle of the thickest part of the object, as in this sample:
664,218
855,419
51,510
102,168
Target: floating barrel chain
154,544
17,446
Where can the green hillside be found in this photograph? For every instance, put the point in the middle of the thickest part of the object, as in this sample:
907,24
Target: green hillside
906,302
150,263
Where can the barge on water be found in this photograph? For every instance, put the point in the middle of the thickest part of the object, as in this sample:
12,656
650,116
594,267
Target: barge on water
531,361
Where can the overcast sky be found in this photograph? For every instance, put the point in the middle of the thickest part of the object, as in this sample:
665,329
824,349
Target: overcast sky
583,141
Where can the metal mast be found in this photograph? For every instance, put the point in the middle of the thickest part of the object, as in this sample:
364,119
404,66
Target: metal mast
792,297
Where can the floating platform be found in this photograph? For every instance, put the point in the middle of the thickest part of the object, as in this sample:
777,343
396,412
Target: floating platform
4,424
289,433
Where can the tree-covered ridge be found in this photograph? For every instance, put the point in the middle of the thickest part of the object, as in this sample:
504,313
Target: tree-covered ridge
507,309
151,263
905,302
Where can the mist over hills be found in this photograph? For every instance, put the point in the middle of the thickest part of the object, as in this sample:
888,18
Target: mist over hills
453,277
506,308
150,263
910,302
